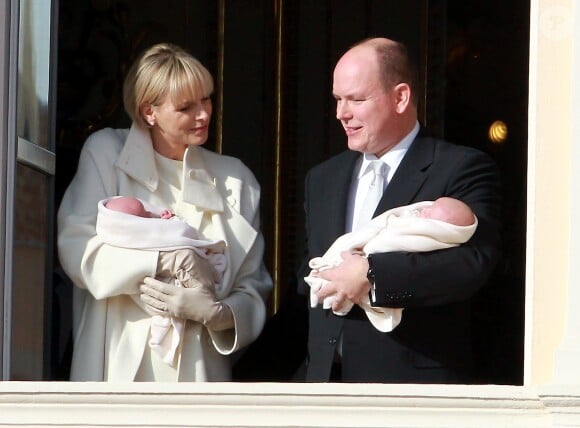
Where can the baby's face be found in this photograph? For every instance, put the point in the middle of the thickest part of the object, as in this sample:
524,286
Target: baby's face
424,212
129,206
449,211
436,212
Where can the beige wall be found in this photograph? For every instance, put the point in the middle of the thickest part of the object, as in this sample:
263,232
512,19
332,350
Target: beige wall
549,183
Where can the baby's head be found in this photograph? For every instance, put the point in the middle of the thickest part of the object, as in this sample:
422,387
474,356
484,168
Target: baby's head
449,210
128,205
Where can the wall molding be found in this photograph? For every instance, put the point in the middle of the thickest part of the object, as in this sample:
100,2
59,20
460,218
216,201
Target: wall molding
56,404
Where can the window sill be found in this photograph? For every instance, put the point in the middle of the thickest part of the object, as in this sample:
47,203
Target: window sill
274,404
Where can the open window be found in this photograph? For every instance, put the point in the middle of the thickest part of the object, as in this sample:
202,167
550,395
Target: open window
273,62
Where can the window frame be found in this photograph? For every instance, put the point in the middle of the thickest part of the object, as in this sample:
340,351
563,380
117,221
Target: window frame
18,150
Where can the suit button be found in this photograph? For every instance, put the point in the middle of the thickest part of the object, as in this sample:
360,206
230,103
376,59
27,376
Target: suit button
332,341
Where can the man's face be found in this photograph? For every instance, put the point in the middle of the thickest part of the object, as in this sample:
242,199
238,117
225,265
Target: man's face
365,109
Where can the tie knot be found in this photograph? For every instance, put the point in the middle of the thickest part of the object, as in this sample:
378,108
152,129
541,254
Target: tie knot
378,167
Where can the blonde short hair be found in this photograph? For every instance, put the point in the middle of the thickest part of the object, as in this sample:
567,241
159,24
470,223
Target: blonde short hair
164,70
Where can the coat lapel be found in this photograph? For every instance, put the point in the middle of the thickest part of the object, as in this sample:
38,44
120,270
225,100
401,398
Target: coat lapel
337,192
199,185
137,160
410,176
203,191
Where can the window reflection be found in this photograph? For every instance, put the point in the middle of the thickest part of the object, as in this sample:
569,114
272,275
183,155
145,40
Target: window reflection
31,246
28,291
34,71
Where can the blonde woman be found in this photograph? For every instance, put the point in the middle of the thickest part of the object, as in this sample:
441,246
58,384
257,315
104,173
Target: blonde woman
160,160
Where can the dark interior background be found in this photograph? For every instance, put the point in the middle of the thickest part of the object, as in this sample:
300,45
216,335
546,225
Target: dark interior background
273,63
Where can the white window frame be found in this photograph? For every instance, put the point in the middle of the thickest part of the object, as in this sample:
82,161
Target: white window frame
539,403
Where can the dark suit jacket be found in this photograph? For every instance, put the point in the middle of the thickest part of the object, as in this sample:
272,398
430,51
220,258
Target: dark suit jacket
432,343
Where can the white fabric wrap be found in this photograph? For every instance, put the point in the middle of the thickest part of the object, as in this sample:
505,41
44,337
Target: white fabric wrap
398,229
129,231
157,234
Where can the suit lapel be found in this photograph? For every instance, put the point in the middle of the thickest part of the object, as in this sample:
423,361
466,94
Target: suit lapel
410,176
337,188
402,189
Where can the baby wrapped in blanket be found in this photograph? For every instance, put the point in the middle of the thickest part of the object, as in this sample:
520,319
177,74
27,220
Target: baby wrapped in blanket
419,227
129,222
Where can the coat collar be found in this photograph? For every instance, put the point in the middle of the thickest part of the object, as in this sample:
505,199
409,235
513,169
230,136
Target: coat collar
137,160
203,189
200,184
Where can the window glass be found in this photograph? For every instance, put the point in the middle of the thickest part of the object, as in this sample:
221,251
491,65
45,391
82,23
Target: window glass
33,184
33,71
29,258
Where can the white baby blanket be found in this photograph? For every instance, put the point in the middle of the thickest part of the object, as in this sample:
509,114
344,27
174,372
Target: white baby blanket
157,234
398,229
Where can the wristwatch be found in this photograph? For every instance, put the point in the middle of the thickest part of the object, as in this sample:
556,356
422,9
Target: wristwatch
371,272
371,277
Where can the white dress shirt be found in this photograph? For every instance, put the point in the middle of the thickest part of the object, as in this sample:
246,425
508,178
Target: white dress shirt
363,176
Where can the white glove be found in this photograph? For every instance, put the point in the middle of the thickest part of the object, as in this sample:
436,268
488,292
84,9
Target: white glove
188,264
197,303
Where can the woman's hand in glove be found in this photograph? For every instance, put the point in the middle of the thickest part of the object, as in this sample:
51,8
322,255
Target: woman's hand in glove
189,264
197,303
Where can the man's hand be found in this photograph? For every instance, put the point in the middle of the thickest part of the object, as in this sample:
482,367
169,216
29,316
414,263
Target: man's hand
346,281
197,303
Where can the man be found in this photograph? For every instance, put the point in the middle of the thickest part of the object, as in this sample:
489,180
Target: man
374,85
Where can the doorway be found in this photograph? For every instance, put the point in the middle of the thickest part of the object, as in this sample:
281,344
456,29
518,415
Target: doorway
272,61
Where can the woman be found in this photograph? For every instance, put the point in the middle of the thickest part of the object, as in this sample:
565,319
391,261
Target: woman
160,160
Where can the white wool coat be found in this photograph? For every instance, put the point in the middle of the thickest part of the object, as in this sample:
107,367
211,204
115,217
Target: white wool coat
110,330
